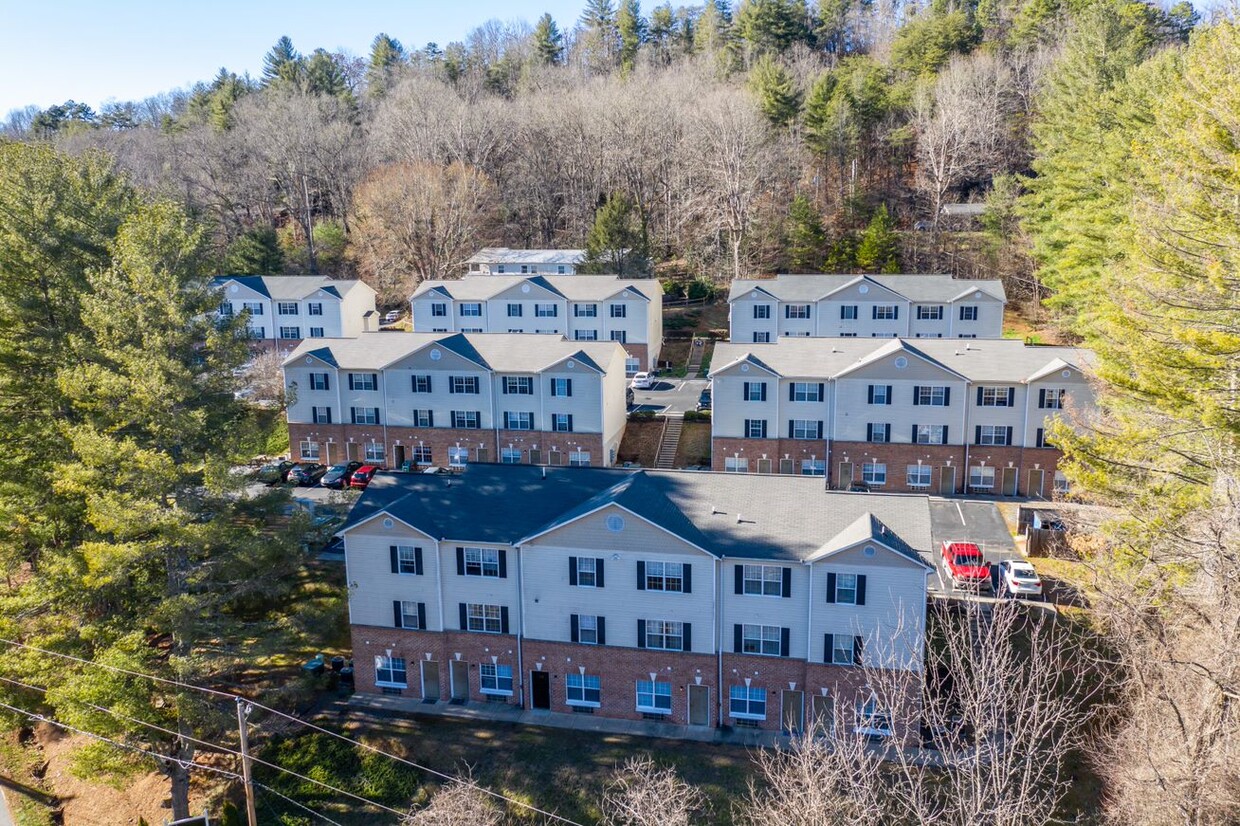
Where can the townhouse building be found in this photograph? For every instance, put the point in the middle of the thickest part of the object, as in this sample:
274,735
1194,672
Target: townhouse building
505,261
865,306
932,415
578,307
284,309
695,599
447,399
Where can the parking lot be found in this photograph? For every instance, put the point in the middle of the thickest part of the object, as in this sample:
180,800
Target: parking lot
957,520
670,396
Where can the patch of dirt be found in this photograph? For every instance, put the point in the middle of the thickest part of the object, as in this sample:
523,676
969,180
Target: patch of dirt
1033,324
641,442
694,447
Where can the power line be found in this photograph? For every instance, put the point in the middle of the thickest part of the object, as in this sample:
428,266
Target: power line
285,797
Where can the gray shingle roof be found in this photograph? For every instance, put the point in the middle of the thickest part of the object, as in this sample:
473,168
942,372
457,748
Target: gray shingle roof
506,352
291,287
569,287
918,288
504,255
987,360
754,517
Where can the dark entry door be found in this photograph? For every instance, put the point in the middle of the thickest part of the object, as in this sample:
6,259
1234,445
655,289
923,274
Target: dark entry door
398,455
540,689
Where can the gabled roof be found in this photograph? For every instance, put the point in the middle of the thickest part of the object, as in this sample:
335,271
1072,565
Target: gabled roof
567,287
1053,366
504,255
747,358
291,287
936,288
893,346
862,279
868,528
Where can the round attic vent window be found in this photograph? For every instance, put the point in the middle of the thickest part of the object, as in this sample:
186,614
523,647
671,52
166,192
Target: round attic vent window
233,288
571,365
1067,374
436,355
869,550
901,362
863,289
615,524
744,368
525,288
753,294
977,294
388,523
309,360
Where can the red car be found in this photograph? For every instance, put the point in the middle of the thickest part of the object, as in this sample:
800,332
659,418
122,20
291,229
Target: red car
966,565
362,476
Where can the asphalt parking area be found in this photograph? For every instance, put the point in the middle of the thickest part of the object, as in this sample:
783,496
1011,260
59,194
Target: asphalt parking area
670,396
968,521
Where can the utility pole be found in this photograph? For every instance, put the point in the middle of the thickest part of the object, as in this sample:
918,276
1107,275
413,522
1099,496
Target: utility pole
243,708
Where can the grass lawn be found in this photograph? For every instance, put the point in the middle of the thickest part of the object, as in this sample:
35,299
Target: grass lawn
31,801
694,447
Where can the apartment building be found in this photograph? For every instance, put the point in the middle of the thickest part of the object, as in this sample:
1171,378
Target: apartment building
578,307
932,415
284,309
504,261
696,599
865,306
447,399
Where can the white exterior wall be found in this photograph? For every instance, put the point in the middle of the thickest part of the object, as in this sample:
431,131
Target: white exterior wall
486,590
420,310
402,401
368,562
351,311
238,295
730,409
989,322
853,410
741,322
615,410
1080,396
751,609
585,405
304,399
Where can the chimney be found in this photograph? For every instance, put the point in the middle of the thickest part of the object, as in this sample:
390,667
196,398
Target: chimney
368,321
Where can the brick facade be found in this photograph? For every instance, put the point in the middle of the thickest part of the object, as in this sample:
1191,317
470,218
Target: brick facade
345,442
641,352
1027,465
443,648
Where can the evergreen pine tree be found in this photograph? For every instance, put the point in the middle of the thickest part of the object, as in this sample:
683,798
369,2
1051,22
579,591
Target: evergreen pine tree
255,252
879,248
616,244
631,27
807,241
778,96
282,63
386,54
548,42
323,76
772,26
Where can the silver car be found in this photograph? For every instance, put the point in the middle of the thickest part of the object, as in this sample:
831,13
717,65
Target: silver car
1018,578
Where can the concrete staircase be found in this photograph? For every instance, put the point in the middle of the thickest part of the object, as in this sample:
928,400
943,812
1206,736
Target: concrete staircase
666,457
697,350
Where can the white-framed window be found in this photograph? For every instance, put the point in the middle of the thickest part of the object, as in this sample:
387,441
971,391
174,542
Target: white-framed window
423,418
806,429
561,388
585,311
439,310
761,639
848,312
546,310
321,415
632,365
510,455
871,720
583,690
620,336
375,452
586,572
547,332
470,310
995,396
420,384
761,311
587,629
807,391
514,310
654,697
846,589
796,311
930,313
762,338
495,679
585,335
879,393
1060,483
466,419
407,562
365,415
813,467
562,422
409,617
665,576
754,391
252,307
886,312
992,434
486,618
878,432
763,580
931,434
874,473
226,309
518,421
968,312
309,451
735,464
931,396
316,332
500,269
458,457
843,649
390,671
918,476
290,332
363,381
481,562
665,635
579,458
421,454
314,308
848,335
982,477
747,702
1052,398
755,428
463,384
286,308
619,311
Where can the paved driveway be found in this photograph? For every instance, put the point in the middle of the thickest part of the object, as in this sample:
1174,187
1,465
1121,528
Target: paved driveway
966,521
670,396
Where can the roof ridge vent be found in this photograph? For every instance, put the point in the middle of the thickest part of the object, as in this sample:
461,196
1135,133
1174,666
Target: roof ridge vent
714,511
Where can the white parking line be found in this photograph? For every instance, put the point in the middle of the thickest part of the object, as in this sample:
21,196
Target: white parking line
961,512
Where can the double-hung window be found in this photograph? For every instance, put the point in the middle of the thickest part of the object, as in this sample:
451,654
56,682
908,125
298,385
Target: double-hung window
583,690
806,429
1052,398
747,702
510,456
471,309
585,311
931,396
439,310
968,312
518,421
654,697
878,394
309,451
488,619
619,311
918,476
458,457
874,473
514,310
579,458
664,635
848,312
314,308
620,336
561,388
762,580
878,432
518,385
843,649
761,311
761,639
410,616
390,671
754,391
421,454
253,307
846,589
982,477
495,679
735,464
796,310
585,335
929,312
290,332
993,434
587,629
546,310
406,559
813,467
481,562
363,381
321,415
421,384
423,418
665,576
286,308
316,332
885,312
762,338
873,721
930,434
587,571
755,428
375,452
226,309
463,384
320,381
562,422
807,391
365,415
466,419
996,396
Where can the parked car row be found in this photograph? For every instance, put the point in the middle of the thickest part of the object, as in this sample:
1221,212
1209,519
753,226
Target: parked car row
968,570
309,474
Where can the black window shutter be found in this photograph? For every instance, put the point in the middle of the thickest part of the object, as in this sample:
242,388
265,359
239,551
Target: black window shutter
421,616
686,639
327,381
785,639
819,431
392,554
574,633
830,587
1041,438
570,422
792,392
351,387
913,438
503,564
874,312
763,390
887,433
944,434
861,589
790,426
641,633
977,435
822,391
397,615
740,579
896,314
1009,435
353,415
1011,397
572,572
828,644
641,575
451,384
889,394
869,398
787,585
979,397
503,619
857,658
568,386
738,641
430,418
688,578
916,395
947,396
869,432
464,618
429,381
598,573
417,561
602,630
1042,398
745,390
460,562
376,415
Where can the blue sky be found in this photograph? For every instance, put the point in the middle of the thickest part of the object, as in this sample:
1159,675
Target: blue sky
92,51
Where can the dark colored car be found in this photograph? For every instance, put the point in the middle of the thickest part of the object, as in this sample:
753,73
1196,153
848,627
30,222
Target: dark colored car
274,473
362,476
338,476
704,399
306,474
858,487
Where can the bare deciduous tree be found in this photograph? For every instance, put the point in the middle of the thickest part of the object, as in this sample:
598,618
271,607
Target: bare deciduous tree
831,779
461,802
643,794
